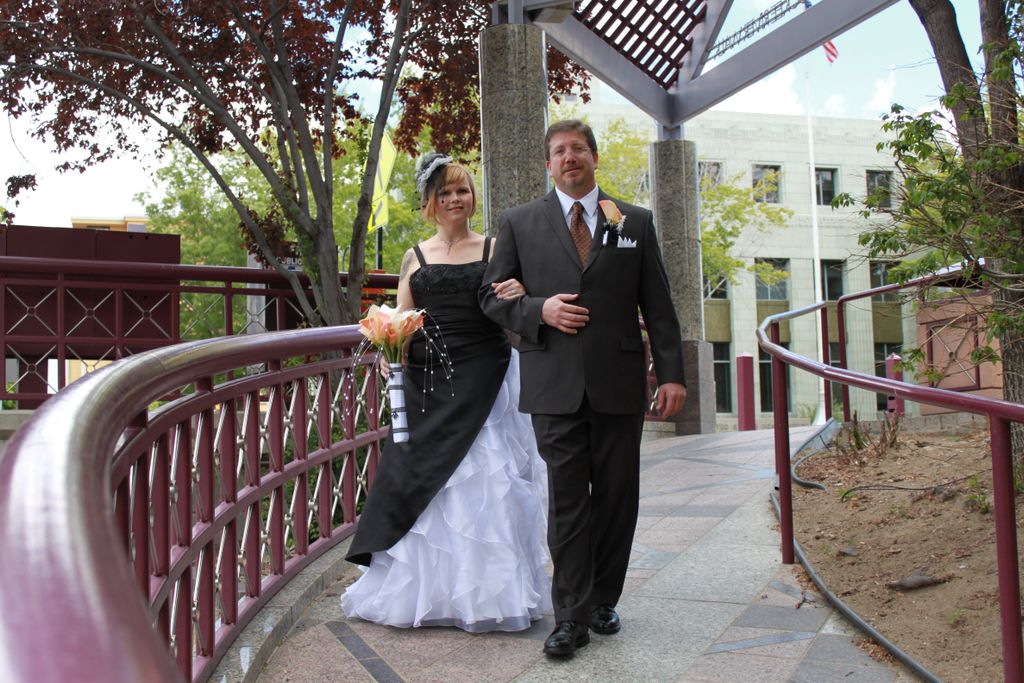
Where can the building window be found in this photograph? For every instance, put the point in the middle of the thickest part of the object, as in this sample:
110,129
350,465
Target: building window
720,290
764,369
879,188
882,351
710,173
832,280
772,290
766,183
723,376
880,277
825,185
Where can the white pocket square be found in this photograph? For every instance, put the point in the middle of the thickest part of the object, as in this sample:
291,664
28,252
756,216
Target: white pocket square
626,243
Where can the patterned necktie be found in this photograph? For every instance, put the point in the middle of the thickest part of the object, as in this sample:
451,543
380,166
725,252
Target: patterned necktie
580,232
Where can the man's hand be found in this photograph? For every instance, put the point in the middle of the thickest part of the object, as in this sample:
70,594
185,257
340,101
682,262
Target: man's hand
563,316
671,396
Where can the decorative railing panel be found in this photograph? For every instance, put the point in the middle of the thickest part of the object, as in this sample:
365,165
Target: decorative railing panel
59,311
207,504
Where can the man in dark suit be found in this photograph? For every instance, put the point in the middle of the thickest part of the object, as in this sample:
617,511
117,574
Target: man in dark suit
588,262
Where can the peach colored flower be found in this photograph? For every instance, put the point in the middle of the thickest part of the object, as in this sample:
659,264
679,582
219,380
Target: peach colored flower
612,216
389,328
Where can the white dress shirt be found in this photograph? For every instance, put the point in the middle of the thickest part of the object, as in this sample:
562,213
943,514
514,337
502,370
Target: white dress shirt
589,203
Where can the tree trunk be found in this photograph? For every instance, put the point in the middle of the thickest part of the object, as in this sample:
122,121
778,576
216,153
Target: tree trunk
332,300
1002,92
1002,185
939,20
1011,350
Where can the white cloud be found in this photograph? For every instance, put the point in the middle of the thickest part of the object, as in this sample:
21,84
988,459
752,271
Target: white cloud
882,96
774,94
835,105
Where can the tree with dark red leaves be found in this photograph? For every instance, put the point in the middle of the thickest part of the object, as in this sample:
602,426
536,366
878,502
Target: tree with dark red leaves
267,77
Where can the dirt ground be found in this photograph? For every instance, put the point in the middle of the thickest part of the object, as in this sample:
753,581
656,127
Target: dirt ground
920,507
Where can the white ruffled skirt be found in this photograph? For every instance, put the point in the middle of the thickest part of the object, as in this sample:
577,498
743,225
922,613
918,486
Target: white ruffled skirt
476,557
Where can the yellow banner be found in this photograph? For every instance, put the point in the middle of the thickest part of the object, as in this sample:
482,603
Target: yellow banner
385,164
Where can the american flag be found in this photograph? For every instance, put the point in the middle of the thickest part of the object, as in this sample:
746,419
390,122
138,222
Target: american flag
831,51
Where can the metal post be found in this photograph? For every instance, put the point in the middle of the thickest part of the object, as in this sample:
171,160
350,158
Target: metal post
841,324
892,371
1006,550
275,438
780,408
745,391
826,359
380,248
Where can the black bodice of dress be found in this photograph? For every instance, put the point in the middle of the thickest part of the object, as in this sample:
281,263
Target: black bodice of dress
446,278
445,410
454,321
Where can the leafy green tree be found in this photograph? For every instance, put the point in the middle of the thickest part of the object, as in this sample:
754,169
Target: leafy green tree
624,166
190,204
730,210
960,199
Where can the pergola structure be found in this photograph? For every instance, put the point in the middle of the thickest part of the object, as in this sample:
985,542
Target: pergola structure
655,53
666,57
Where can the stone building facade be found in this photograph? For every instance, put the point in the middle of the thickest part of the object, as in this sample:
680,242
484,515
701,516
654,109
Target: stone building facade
741,146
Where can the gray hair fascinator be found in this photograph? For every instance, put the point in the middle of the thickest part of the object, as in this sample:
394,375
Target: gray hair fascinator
427,166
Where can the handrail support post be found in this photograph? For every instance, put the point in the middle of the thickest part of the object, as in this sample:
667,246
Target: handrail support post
780,408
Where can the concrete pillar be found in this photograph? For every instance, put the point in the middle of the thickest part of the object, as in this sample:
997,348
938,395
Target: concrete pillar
513,118
674,199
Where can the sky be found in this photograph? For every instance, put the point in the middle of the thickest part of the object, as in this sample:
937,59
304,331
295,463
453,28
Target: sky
883,60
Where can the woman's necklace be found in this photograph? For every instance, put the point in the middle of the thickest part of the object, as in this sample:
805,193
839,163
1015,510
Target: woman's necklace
452,242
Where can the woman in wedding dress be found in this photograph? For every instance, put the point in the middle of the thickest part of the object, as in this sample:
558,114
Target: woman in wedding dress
453,531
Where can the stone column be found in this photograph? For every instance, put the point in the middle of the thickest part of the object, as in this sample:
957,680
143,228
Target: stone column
675,198
513,118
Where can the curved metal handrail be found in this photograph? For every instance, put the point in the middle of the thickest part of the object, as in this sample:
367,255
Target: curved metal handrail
1000,413
73,605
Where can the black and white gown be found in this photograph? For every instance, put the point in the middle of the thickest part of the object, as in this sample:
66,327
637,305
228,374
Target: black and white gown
453,531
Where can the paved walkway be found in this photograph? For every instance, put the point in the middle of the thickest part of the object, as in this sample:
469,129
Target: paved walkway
707,599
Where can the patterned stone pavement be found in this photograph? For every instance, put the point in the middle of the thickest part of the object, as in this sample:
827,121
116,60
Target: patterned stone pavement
707,599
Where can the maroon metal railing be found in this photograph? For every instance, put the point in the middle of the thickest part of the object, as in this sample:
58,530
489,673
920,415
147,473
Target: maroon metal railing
1000,414
64,310
138,540
57,310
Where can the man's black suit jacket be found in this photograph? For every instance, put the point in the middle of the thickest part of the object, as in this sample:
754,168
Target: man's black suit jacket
605,359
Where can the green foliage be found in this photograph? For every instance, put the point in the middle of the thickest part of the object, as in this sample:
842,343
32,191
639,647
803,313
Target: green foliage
194,208
977,499
623,165
952,209
191,205
730,209
956,618
10,404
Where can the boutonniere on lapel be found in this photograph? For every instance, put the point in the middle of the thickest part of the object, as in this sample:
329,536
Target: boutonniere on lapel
614,220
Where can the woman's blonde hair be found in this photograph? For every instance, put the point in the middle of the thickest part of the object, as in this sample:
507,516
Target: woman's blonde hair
450,173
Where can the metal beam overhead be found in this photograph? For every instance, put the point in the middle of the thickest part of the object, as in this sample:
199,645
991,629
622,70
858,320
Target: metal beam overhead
704,37
584,46
606,51
798,36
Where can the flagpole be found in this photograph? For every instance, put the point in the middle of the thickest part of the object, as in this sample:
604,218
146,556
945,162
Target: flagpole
819,415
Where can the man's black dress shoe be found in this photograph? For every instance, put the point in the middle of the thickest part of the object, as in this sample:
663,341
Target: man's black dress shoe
567,637
605,621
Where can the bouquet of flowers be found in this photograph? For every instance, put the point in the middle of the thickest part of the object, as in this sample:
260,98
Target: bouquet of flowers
387,329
